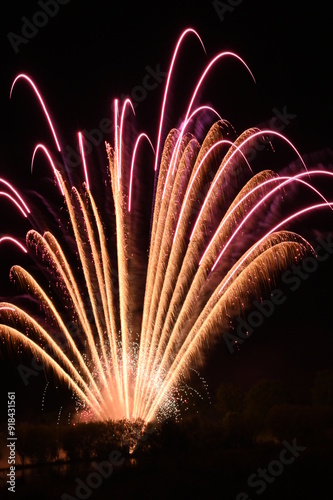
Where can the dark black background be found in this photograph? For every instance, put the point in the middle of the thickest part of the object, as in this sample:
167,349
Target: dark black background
91,52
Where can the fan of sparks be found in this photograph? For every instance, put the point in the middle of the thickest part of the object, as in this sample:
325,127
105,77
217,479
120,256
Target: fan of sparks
214,244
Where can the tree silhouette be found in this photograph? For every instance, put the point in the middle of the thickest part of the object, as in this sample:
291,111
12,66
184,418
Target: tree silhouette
264,395
229,398
36,443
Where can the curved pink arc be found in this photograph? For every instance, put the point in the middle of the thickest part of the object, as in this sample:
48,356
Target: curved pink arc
12,199
285,221
13,240
127,102
286,180
176,148
201,108
219,143
289,180
55,171
141,136
208,67
16,194
166,91
201,79
261,132
30,81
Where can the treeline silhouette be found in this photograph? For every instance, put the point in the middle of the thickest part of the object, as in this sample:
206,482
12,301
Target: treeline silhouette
211,448
267,413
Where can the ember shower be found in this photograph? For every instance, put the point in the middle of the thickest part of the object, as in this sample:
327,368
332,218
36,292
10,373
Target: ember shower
215,244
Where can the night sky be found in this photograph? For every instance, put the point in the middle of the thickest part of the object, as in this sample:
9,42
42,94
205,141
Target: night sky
89,53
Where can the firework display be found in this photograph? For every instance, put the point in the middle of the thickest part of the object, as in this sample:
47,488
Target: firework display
217,241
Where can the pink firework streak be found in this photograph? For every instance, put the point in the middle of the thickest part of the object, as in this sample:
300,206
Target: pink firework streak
144,325
41,100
